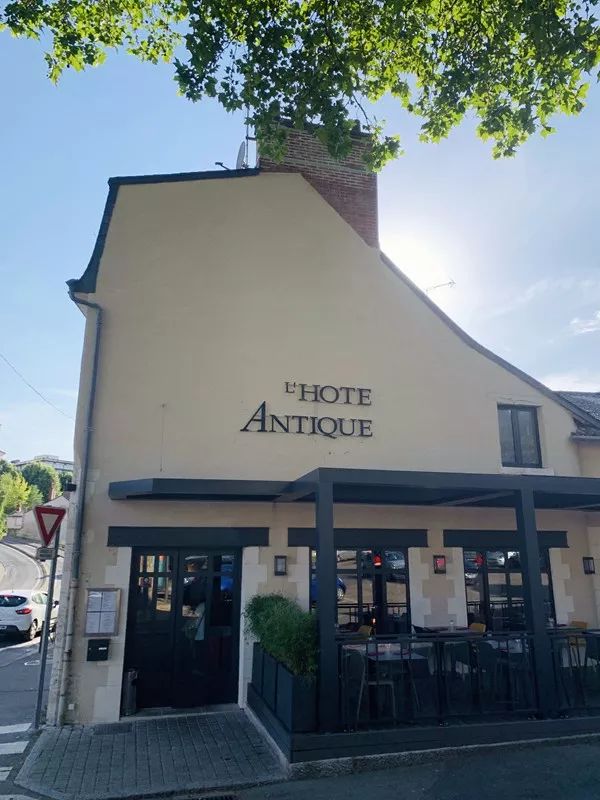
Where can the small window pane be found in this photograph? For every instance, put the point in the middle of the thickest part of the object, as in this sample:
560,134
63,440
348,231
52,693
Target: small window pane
395,560
164,595
348,608
346,560
507,444
196,563
496,559
528,435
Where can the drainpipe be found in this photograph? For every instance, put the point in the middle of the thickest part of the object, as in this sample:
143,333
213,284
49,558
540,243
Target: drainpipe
79,516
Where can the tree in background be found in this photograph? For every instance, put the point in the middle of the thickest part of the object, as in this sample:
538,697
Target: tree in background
512,65
65,478
14,494
7,467
44,477
14,490
34,497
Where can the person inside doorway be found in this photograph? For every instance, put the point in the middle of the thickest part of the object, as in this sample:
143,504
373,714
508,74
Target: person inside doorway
194,603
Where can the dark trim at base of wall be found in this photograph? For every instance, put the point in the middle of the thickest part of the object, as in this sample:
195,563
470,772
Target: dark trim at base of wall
478,540
361,537
317,746
144,536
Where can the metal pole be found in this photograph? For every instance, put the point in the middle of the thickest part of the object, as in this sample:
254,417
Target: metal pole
535,611
46,634
326,608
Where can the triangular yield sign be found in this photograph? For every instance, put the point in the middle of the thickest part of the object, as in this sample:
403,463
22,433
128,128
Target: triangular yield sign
48,520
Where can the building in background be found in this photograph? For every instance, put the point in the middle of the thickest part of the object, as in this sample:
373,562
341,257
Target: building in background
59,464
269,387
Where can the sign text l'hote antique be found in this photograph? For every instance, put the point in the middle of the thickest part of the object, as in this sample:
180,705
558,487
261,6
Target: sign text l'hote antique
264,421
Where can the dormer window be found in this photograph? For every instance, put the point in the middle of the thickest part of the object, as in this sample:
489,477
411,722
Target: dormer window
519,436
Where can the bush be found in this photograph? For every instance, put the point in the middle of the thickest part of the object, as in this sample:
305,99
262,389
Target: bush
285,632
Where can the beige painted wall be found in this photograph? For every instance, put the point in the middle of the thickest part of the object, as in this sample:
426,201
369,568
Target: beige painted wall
217,292
589,458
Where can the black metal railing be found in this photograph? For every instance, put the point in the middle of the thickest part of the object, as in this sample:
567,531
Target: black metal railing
576,668
394,617
435,677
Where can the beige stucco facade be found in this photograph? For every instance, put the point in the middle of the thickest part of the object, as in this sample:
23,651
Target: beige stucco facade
215,293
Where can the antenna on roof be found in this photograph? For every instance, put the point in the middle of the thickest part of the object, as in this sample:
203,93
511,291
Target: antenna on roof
448,285
241,161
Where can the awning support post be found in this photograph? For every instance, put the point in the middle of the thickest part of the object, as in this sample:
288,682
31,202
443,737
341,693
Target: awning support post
326,608
533,591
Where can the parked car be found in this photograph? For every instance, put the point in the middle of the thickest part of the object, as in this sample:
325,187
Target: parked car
23,611
340,589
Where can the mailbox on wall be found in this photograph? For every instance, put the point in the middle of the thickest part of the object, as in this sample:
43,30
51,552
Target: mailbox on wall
97,649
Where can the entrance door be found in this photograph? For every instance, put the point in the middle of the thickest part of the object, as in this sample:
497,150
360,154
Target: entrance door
183,627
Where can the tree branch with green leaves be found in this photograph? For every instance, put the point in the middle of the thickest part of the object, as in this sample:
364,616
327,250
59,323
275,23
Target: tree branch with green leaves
511,65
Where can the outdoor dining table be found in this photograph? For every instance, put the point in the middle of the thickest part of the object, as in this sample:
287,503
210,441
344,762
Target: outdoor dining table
398,658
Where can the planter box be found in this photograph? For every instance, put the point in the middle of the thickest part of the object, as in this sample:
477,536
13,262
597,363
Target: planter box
269,680
296,701
257,667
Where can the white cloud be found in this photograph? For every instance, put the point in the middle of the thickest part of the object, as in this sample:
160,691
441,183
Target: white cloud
573,381
591,325
546,286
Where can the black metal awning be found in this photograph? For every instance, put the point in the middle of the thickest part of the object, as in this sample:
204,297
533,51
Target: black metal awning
377,487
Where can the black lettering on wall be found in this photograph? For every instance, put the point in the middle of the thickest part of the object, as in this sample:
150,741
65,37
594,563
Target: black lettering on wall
259,417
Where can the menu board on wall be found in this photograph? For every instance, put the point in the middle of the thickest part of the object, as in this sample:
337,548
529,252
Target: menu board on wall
102,612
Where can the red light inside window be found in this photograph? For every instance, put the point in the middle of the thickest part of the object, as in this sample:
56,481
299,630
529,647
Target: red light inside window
439,565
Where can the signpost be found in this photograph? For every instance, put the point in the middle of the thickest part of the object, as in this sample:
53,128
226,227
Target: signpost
48,519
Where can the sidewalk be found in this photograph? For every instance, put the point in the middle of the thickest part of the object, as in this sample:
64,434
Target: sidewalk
199,752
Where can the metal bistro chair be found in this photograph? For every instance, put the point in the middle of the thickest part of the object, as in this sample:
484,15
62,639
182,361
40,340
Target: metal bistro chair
478,627
355,676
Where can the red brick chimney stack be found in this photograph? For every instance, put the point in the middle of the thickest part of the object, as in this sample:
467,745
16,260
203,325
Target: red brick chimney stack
347,185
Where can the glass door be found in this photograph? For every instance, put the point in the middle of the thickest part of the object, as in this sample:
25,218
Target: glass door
183,627
206,636
150,635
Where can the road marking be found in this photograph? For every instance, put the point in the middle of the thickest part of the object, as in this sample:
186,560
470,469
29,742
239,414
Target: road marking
15,728
12,748
4,773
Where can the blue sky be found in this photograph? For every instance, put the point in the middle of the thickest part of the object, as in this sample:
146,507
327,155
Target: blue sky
519,237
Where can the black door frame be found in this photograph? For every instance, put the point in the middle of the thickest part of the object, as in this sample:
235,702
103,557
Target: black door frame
378,578
485,570
178,555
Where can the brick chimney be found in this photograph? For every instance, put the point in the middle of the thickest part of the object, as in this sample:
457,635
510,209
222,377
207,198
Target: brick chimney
347,185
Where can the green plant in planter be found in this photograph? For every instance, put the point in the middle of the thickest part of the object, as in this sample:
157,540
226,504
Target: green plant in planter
285,632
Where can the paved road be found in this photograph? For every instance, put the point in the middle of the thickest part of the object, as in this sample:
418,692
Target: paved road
19,661
17,568
557,772
19,667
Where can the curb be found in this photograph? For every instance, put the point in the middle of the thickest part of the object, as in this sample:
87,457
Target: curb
329,768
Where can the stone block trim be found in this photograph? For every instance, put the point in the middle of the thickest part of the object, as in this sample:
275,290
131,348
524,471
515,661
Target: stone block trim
347,185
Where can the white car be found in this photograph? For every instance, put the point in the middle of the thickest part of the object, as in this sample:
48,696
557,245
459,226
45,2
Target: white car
23,611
